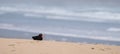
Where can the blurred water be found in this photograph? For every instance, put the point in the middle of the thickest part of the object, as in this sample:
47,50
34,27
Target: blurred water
91,19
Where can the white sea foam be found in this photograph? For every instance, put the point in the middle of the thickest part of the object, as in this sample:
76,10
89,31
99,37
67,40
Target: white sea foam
113,29
64,14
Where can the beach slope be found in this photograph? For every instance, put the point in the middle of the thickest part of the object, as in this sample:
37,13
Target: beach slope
22,46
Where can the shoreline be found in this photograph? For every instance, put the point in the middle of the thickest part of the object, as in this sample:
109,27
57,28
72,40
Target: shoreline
28,35
102,42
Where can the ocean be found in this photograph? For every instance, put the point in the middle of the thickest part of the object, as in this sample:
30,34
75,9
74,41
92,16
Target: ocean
89,21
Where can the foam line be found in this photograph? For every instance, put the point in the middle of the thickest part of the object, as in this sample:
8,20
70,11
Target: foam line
60,13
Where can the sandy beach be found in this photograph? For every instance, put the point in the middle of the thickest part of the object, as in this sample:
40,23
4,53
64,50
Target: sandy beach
22,46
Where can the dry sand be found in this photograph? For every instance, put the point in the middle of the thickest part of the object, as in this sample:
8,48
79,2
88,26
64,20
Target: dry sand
21,46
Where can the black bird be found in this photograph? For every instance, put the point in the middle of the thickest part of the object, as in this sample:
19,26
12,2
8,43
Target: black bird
39,37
